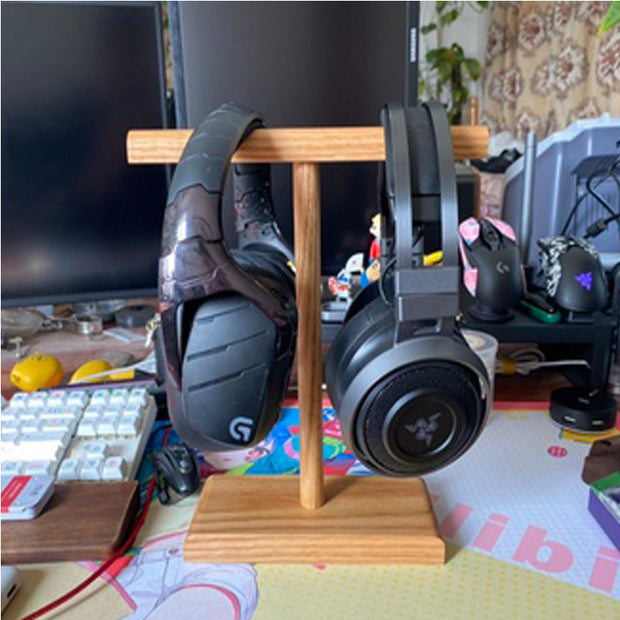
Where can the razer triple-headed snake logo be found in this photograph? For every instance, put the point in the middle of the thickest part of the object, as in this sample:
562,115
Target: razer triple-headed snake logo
585,279
424,428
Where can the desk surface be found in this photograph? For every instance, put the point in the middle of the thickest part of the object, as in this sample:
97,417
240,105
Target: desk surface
521,543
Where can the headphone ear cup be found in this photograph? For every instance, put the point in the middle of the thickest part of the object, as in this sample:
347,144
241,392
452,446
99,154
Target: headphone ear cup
419,418
229,362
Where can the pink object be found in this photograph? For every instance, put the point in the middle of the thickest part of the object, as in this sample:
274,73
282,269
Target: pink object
490,532
469,230
504,228
470,279
559,558
454,520
605,569
557,451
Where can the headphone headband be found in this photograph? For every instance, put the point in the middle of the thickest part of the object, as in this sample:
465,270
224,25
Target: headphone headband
195,262
429,293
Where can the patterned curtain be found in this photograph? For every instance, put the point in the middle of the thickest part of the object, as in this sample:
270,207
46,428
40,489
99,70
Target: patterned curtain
547,66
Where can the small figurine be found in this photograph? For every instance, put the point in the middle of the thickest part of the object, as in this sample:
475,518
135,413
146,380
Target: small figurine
373,272
341,285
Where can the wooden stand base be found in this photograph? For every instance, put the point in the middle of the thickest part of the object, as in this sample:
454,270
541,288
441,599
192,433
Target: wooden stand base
364,520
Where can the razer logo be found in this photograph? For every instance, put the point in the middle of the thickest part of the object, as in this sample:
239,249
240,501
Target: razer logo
240,428
502,268
424,428
585,279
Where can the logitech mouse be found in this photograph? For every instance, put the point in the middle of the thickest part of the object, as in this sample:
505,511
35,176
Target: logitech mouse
175,467
492,266
574,275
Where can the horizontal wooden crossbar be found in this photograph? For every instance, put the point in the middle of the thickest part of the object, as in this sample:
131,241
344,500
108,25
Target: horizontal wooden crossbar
307,144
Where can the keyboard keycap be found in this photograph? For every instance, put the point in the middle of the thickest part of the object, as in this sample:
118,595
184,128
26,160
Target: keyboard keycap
58,398
114,468
129,425
100,397
12,468
69,469
87,428
91,469
119,396
38,400
20,400
77,399
35,468
98,449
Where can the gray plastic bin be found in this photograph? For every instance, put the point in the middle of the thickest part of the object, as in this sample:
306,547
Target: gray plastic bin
557,186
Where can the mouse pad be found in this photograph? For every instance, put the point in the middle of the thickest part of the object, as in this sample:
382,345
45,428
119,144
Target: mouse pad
513,511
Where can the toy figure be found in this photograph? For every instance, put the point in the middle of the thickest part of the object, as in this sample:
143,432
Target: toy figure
341,285
374,267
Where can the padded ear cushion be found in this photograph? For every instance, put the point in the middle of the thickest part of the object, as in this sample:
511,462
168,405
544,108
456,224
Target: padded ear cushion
232,383
419,418
362,299
350,348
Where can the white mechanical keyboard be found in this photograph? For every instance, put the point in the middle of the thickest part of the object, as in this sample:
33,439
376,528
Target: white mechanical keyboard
78,434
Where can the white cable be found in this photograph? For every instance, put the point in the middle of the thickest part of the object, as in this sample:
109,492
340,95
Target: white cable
523,361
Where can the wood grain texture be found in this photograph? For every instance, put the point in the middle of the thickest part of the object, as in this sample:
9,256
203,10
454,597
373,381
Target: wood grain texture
366,519
307,210
306,144
83,521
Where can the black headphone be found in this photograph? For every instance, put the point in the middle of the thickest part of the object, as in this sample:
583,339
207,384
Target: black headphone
228,319
410,394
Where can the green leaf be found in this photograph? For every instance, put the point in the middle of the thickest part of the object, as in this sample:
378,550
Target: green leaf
473,68
482,5
444,69
428,28
449,17
440,6
458,51
432,56
611,18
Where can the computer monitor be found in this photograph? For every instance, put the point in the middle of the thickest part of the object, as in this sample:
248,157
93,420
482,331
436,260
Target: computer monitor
78,222
300,64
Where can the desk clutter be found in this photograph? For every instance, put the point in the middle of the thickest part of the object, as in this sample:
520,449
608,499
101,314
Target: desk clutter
520,526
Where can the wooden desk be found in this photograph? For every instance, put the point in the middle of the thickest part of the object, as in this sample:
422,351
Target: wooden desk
72,350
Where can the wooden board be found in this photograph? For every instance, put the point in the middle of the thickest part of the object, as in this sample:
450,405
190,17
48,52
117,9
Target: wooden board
83,521
305,144
365,519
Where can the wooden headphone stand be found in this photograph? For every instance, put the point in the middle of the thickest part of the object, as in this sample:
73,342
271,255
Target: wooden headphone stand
309,519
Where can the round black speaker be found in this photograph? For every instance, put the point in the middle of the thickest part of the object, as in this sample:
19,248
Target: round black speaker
419,418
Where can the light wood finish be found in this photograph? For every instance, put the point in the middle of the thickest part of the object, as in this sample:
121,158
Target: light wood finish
307,205
367,519
83,521
306,144
474,111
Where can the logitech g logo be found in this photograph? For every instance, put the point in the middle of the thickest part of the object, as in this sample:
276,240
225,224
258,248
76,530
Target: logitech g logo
424,428
502,268
240,428
585,279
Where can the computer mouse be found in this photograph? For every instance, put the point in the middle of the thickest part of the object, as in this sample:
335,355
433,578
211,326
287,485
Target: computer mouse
574,276
175,467
492,266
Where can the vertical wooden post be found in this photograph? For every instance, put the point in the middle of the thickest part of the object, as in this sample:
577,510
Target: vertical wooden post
307,205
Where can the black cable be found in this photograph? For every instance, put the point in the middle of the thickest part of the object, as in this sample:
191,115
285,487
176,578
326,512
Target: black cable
606,174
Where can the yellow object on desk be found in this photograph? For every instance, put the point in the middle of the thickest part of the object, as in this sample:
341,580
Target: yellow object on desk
92,372
37,371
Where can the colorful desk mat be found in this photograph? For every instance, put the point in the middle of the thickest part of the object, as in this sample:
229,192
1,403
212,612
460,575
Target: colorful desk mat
513,510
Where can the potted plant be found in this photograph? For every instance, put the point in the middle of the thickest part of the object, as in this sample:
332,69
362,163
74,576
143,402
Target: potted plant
448,66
